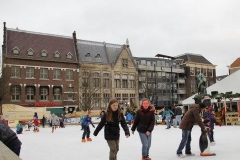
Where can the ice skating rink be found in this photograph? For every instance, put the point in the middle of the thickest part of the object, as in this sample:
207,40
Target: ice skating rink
65,144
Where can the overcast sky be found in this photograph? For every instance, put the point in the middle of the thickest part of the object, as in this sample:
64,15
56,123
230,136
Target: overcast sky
171,27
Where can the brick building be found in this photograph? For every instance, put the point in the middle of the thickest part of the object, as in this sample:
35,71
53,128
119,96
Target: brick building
41,70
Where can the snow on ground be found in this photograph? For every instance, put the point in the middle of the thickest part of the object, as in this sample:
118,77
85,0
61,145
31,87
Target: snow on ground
65,143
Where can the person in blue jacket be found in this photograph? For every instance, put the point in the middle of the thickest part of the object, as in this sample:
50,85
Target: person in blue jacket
167,114
129,118
85,124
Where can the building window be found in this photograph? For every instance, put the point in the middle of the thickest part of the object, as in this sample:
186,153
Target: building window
98,56
57,54
96,100
85,79
70,94
69,74
118,97
15,72
44,53
198,70
16,51
43,73
29,72
57,93
210,72
96,80
204,72
88,55
131,81
30,52
192,86
106,82
117,82
56,73
124,63
124,81
106,99
30,92
69,55
192,71
15,92
44,93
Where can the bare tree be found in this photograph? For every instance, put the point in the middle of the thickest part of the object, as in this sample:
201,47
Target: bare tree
90,87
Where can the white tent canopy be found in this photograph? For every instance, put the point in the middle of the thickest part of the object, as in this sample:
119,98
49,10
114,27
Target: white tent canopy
228,84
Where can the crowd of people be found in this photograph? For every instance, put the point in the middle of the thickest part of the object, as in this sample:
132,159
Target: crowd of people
143,121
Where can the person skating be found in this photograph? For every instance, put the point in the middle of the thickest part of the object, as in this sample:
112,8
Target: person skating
191,117
85,124
54,120
144,123
111,120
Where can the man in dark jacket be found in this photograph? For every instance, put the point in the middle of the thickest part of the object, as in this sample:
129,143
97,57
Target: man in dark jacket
9,138
190,117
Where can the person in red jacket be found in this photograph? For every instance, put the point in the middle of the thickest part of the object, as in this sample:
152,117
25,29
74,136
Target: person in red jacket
36,124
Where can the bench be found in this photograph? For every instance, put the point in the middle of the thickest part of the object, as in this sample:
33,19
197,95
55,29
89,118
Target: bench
6,153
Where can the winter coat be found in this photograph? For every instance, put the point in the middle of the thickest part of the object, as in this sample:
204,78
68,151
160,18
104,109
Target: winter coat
144,120
129,117
6,133
168,113
178,111
190,117
54,120
86,121
212,121
112,129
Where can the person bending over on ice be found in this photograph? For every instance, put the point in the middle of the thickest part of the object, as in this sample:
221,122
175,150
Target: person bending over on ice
190,117
144,122
85,124
111,120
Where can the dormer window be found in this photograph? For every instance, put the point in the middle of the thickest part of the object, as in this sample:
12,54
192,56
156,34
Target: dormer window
44,53
57,54
69,55
88,55
98,56
16,50
30,52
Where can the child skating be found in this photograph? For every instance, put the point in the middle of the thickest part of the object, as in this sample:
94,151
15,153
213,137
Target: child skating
85,124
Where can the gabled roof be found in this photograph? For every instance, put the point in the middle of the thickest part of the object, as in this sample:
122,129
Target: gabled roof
196,58
236,63
38,42
230,83
88,50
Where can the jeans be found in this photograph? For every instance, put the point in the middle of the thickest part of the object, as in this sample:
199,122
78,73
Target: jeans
178,120
146,143
86,132
211,136
168,118
114,147
185,142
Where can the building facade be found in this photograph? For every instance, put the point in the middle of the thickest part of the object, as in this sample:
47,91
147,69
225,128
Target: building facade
161,80
40,70
193,65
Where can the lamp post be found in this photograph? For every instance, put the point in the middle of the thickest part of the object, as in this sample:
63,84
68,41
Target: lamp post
171,87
